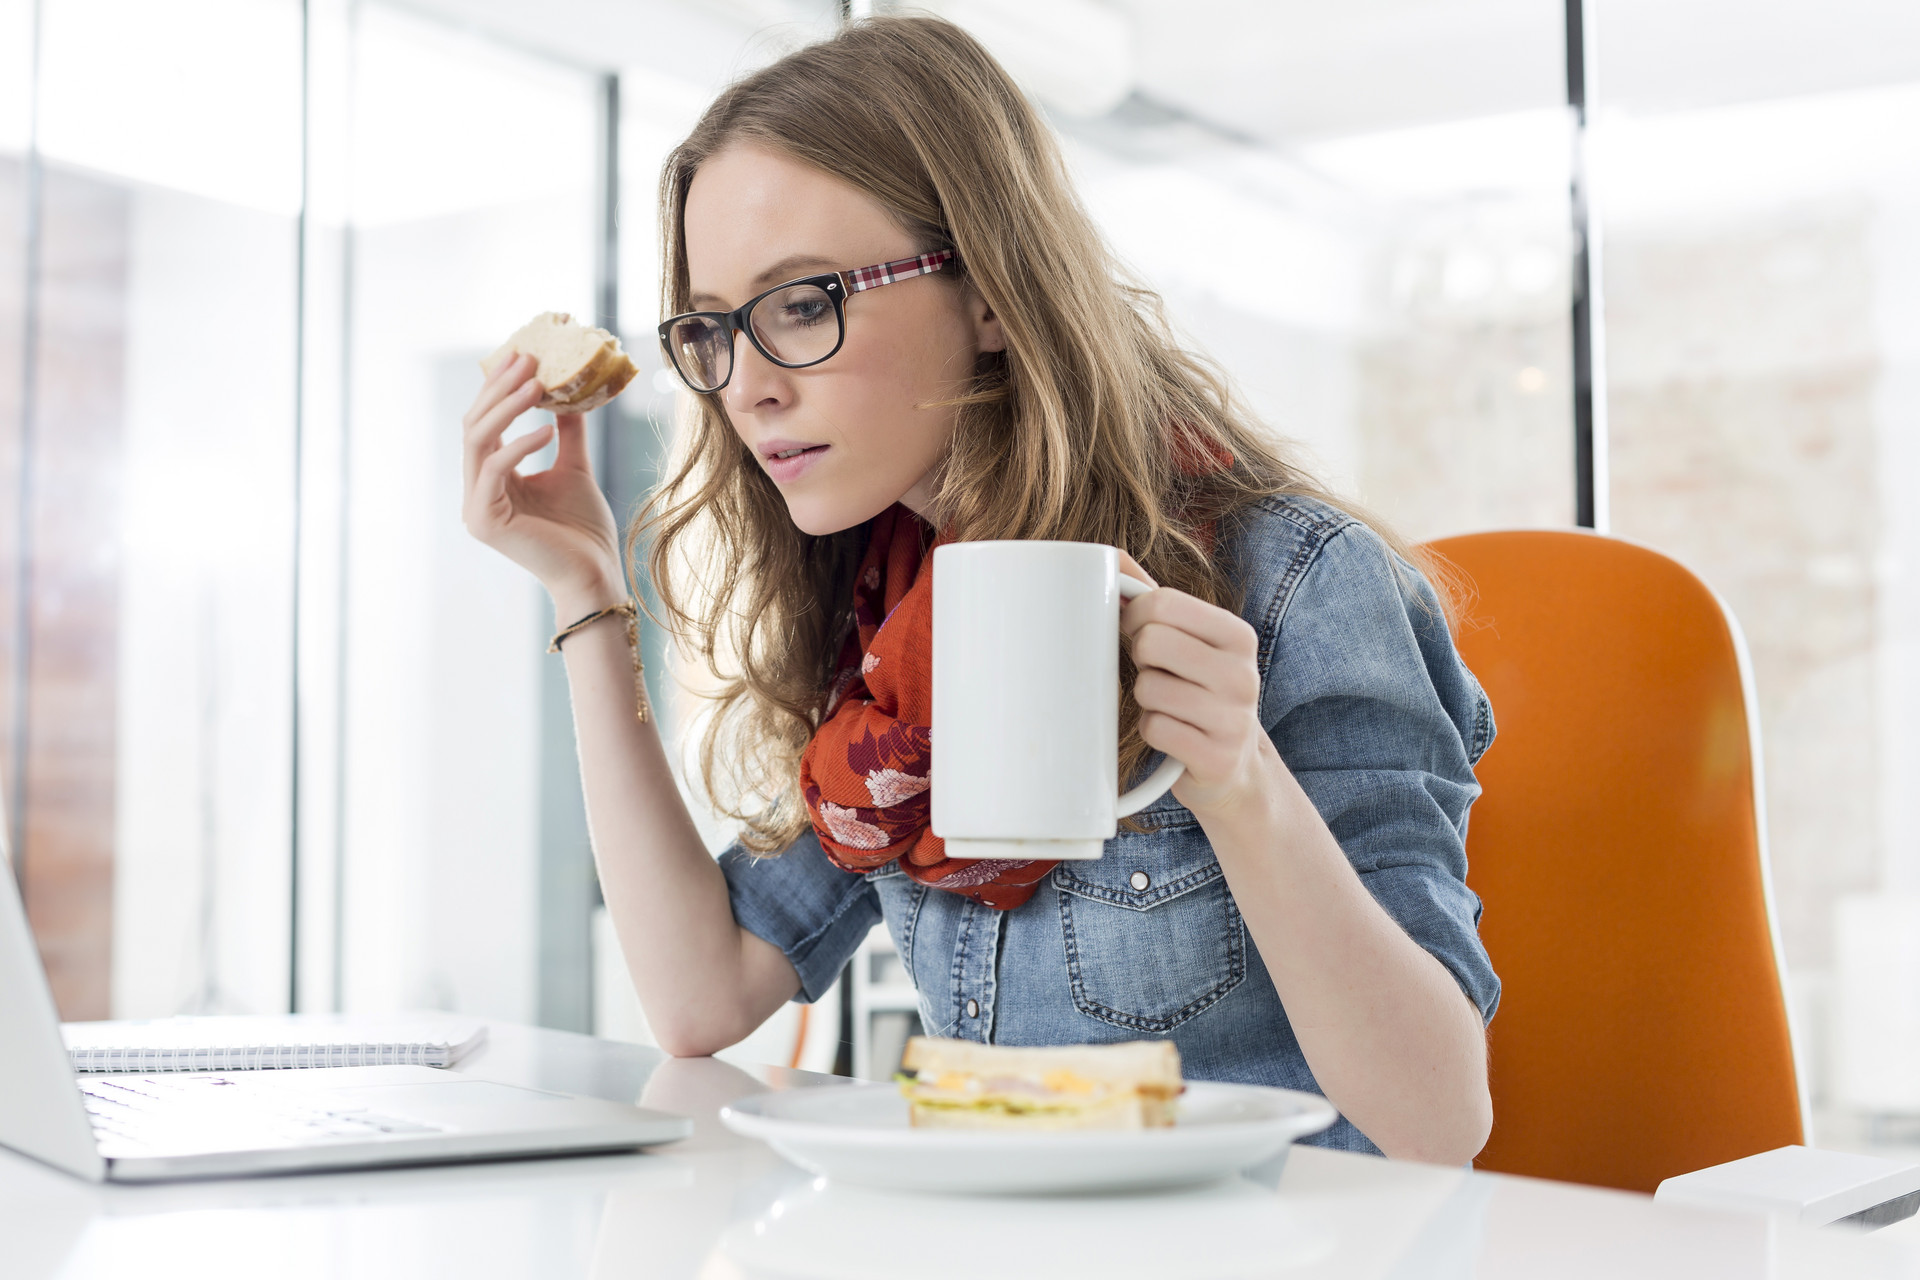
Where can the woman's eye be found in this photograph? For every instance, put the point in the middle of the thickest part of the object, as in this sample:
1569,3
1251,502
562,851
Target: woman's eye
804,313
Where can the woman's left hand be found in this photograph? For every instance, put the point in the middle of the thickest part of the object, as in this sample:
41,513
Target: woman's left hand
1199,694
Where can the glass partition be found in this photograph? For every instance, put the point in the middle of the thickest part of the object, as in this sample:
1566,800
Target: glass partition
177,407
152,470
16,127
1757,180
473,180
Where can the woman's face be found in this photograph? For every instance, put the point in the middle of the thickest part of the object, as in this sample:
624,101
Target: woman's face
866,423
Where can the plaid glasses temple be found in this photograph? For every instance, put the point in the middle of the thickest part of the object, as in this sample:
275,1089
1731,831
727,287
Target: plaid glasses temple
863,278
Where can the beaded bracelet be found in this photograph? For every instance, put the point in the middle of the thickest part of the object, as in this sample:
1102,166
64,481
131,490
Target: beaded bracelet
631,612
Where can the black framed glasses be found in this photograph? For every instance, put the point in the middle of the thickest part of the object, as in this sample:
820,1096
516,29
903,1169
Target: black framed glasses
796,324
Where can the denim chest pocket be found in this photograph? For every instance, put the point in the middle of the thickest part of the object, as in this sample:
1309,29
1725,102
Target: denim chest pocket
1153,936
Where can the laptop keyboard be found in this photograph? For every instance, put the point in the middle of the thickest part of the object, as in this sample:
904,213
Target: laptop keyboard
205,1112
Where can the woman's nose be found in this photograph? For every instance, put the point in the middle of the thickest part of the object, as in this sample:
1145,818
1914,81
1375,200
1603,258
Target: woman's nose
758,384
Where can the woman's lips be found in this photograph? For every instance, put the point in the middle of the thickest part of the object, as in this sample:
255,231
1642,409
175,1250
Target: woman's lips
790,461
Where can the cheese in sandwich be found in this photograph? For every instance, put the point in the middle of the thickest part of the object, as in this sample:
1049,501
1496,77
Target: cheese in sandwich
957,1084
581,367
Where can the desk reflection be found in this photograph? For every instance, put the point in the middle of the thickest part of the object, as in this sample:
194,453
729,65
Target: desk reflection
1237,1228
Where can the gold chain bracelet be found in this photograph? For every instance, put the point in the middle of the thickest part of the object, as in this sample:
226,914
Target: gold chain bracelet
631,612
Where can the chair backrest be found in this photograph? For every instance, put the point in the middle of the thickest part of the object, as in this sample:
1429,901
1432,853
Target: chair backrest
1621,856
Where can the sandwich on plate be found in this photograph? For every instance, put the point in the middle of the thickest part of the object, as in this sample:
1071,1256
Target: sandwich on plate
957,1084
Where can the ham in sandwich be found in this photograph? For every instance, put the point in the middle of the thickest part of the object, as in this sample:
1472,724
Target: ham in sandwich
957,1084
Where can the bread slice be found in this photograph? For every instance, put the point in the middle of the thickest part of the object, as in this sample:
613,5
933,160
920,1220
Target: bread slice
581,367
963,1085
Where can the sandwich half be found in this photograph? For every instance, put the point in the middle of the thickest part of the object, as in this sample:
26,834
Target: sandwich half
580,366
957,1084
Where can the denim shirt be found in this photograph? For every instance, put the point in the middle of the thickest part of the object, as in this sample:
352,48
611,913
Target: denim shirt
1372,710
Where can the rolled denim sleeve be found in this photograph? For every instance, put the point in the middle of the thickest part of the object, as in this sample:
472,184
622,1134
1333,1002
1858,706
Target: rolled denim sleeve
1372,709
813,911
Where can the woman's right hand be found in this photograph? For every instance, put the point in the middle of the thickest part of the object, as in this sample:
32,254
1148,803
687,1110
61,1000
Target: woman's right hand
554,523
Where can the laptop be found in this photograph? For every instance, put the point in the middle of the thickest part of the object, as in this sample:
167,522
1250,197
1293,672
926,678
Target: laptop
162,1126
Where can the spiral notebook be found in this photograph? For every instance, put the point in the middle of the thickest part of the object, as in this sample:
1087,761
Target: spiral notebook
269,1043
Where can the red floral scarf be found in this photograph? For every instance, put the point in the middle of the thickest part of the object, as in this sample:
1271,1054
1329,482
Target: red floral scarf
868,773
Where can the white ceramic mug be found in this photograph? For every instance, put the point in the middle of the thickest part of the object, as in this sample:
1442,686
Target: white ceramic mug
1026,700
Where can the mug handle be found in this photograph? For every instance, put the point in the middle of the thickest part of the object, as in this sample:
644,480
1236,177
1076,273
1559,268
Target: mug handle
1161,780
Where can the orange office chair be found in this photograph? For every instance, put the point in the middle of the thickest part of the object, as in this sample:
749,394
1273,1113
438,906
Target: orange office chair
1642,1029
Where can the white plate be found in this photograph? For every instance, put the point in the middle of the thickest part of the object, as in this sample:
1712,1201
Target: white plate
858,1134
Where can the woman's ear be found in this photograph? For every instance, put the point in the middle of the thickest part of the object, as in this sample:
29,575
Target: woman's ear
989,334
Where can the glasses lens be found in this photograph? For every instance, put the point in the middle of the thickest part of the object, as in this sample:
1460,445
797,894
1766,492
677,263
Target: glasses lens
701,351
797,325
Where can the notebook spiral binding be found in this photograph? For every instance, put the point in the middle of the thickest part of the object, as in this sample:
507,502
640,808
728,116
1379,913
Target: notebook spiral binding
258,1057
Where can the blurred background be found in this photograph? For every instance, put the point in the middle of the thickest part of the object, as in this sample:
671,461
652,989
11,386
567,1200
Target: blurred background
275,734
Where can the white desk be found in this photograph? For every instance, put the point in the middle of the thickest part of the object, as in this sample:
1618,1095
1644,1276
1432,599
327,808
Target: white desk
722,1208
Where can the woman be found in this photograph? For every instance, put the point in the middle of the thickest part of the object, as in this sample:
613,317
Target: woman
1294,913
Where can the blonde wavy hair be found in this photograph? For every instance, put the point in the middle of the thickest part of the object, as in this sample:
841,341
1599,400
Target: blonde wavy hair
1093,426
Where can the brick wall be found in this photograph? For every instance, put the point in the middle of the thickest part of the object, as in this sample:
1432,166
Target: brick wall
1743,369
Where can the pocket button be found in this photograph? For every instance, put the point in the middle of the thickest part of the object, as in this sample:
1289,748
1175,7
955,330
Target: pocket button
1140,881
